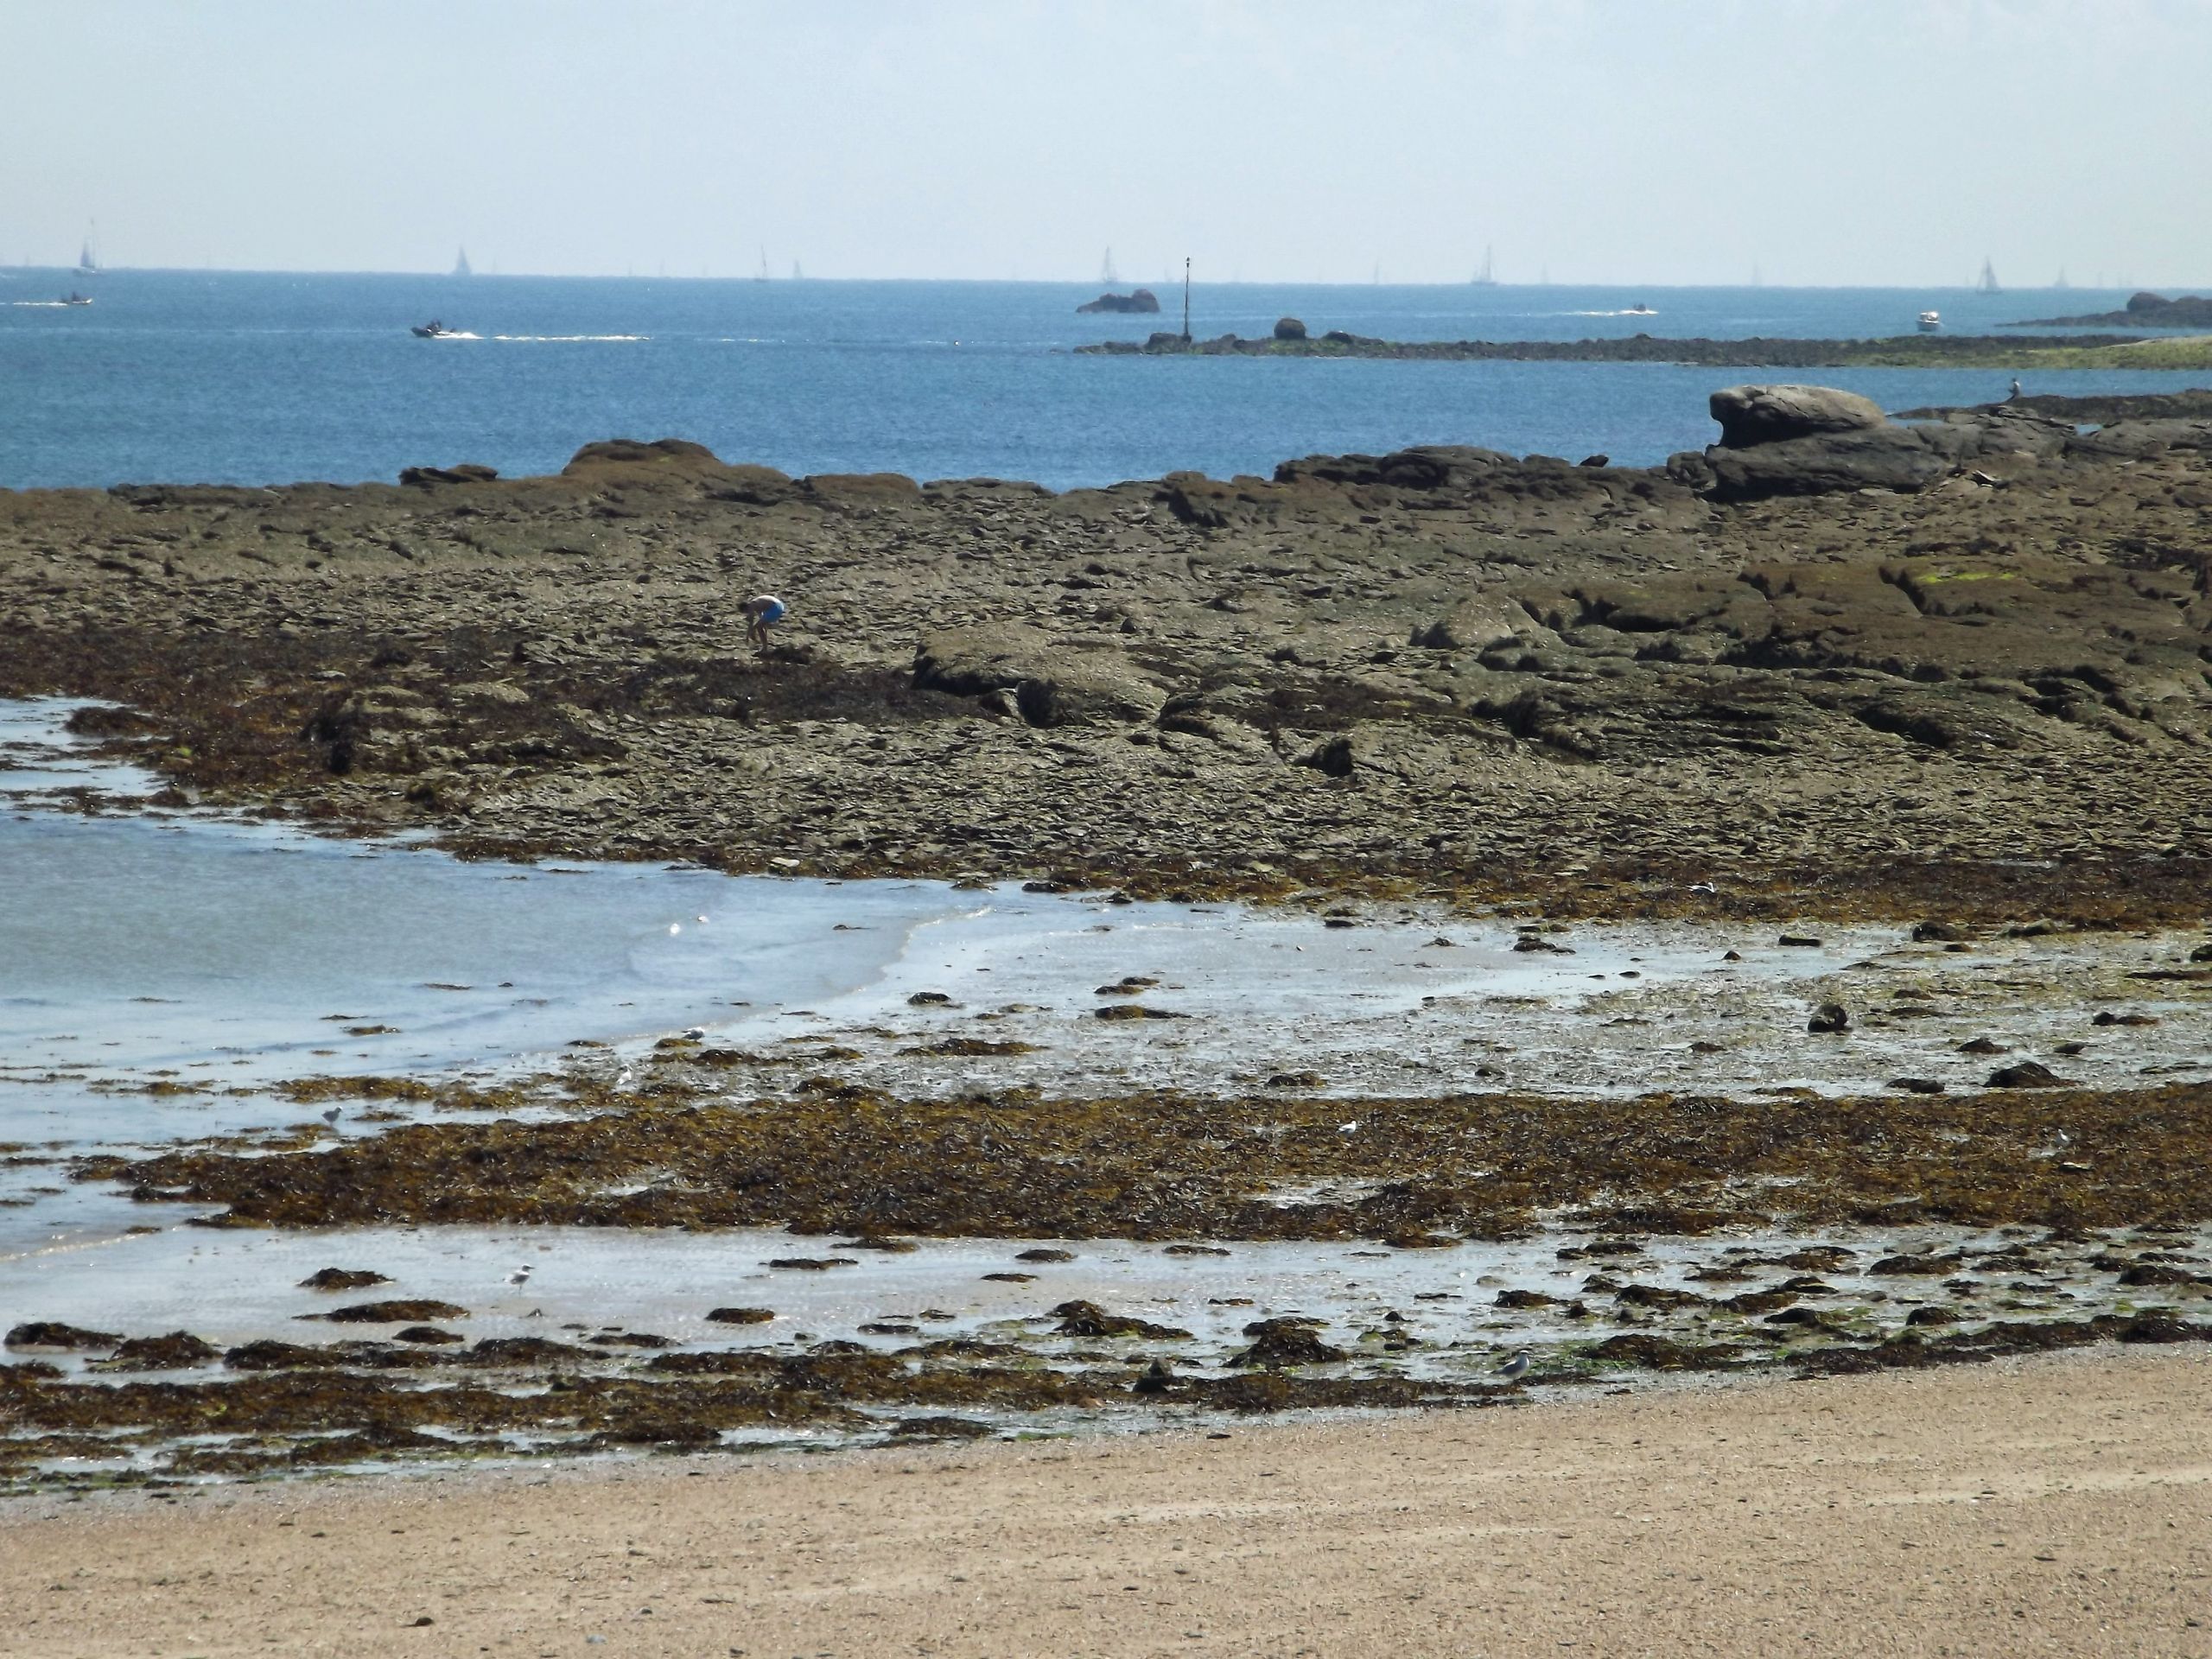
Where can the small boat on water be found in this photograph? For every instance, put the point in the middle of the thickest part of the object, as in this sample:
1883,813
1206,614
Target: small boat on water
75,298
1931,322
1639,309
434,330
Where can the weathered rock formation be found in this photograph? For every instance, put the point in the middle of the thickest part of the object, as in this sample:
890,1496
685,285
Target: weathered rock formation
1445,666
2144,310
1142,300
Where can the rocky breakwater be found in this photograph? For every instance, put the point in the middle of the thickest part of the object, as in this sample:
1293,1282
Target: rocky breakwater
1852,666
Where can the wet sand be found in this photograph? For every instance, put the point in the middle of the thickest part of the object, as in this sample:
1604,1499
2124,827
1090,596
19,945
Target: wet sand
2048,1506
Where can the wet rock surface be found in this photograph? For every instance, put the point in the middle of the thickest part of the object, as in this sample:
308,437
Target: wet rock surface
1444,670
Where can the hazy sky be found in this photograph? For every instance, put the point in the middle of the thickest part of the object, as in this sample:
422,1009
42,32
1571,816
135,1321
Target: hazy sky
1631,141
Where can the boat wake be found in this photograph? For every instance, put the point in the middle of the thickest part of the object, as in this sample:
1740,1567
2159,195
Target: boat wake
43,305
546,339
1633,311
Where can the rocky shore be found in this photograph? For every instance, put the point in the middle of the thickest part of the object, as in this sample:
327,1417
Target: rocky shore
1881,669
1901,351
2144,310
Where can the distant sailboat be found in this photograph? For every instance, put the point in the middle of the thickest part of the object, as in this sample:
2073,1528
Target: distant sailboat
1483,277
762,275
1108,276
1988,282
460,264
798,275
88,259
2061,284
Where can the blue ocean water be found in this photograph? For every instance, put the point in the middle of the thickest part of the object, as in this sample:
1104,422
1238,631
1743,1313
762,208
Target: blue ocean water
266,378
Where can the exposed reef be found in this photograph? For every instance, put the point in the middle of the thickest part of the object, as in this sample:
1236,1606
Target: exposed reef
1444,670
1139,300
2144,310
1900,351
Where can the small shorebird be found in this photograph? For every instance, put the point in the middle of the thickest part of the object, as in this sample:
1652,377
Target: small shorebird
1515,1368
331,1116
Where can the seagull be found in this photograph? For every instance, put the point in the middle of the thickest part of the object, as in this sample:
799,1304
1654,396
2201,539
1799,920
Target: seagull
519,1276
694,1034
1515,1368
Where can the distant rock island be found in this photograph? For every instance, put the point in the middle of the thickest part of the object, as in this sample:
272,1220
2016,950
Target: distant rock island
2144,310
1142,299
1904,351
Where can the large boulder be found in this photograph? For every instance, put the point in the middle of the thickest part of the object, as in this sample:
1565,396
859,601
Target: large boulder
1889,458
1051,682
1757,415
1289,328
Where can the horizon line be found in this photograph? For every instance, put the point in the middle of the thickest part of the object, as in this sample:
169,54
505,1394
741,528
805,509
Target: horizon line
1087,283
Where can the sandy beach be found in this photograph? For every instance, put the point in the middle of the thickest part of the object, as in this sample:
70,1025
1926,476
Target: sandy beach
2059,1506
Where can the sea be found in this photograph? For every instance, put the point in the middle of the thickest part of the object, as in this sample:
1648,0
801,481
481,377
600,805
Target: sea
262,379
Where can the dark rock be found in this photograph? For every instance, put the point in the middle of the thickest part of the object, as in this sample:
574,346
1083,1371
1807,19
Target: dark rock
466,473
53,1336
1689,468
1139,302
526,1350
2106,1017
1920,1266
427,1336
1289,328
170,1352
939,1428
741,1315
1044,1253
403,1311
1659,1354
2026,1074
627,452
1750,415
1660,1297
811,1263
1596,461
1916,1085
2154,1273
1526,1299
1829,1017
1935,932
1133,1011
1080,1318
1982,1045
1289,1341
1931,1316
342,1279
1801,939
271,1356
1893,457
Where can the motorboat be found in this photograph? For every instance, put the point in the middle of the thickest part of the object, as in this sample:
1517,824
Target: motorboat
1639,309
434,330
75,298
1931,322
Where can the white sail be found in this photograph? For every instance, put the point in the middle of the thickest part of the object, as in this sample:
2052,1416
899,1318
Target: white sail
460,264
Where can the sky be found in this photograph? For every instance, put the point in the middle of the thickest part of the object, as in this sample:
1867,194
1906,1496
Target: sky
1636,141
